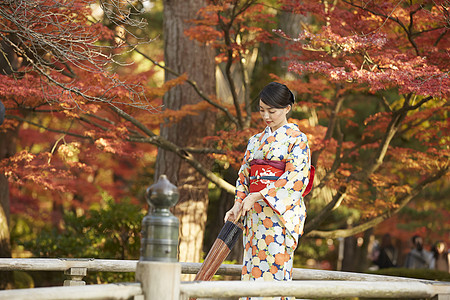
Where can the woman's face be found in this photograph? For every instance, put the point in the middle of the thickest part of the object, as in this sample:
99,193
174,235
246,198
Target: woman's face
440,247
274,117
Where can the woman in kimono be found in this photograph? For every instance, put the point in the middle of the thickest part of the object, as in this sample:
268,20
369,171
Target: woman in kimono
272,181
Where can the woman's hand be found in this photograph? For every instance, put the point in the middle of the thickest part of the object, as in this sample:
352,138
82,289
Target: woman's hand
250,200
243,207
233,212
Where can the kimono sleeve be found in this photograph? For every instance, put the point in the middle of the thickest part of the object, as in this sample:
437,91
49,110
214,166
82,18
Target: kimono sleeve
283,194
243,181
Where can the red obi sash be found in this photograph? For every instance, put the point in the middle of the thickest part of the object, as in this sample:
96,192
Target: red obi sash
262,172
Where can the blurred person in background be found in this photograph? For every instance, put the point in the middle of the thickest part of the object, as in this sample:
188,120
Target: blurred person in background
441,259
388,254
418,257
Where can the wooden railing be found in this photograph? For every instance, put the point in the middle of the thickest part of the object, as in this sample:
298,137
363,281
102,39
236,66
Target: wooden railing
307,283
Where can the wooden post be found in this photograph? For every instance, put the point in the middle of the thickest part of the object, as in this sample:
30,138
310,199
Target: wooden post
76,276
159,280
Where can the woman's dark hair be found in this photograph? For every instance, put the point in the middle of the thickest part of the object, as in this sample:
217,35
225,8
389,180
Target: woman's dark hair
386,241
414,238
277,95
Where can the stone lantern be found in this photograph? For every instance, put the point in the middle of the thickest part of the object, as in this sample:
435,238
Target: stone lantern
159,241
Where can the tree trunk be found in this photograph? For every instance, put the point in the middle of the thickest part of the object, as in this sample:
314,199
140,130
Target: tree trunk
350,254
187,56
6,278
8,64
363,262
7,149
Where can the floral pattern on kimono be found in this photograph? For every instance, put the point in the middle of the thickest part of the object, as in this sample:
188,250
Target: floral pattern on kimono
274,224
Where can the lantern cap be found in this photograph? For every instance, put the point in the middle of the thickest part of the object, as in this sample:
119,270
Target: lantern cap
162,194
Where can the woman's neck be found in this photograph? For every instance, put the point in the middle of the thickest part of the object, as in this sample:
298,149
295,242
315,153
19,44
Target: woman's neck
273,129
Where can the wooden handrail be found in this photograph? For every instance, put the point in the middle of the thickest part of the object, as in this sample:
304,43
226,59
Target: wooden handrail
221,289
311,289
88,292
112,265
308,283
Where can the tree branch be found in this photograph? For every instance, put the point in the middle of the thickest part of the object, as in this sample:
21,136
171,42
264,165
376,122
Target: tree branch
226,31
391,131
14,117
386,215
189,158
226,28
407,30
134,121
326,211
331,125
246,86
194,85
203,150
65,43
153,139
169,146
337,159
385,103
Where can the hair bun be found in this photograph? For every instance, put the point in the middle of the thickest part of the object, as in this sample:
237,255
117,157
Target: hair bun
277,95
292,97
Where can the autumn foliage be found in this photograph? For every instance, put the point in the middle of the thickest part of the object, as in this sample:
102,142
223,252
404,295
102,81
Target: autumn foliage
375,79
392,54
372,87
62,90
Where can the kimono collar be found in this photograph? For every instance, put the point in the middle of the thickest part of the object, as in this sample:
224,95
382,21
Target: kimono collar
284,127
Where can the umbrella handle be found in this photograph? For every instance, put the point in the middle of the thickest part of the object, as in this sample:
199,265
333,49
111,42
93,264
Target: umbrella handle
238,217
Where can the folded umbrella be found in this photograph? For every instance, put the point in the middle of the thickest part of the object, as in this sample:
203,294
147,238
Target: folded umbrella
222,246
